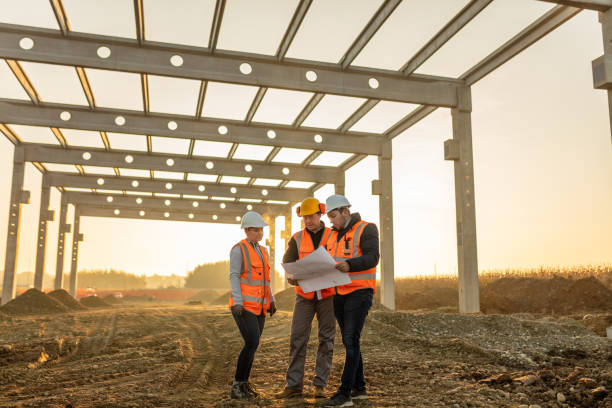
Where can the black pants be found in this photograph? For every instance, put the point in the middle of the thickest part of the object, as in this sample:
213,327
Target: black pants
351,311
251,326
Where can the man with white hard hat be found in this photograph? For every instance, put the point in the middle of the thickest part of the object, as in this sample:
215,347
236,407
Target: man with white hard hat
354,244
307,305
250,299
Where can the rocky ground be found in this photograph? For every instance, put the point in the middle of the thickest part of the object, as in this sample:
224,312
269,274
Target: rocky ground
168,355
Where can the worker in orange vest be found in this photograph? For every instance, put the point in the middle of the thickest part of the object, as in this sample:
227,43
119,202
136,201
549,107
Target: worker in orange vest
250,299
354,245
307,305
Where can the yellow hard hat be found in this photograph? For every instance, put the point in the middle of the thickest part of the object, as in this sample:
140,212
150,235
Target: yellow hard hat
310,206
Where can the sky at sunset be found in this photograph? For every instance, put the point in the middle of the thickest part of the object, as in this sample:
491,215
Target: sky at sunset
541,134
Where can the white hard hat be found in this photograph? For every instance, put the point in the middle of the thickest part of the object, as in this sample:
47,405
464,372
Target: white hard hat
252,219
336,201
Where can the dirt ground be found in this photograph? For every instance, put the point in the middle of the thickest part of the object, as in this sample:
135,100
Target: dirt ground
169,355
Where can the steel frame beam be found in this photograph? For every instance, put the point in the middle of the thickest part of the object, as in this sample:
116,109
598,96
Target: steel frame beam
144,185
599,5
150,58
24,113
152,214
159,162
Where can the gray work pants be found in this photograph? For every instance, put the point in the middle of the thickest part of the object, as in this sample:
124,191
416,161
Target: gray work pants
303,313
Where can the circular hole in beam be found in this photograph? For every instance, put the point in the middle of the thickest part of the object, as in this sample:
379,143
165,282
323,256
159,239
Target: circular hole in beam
103,52
100,181
286,170
65,116
233,190
170,162
195,204
264,192
166,214
246,68
311,76
168,186
209,165
190,216
176,60
86,156
139,200
26,43
318,138
201,188
248,168
129,158
119,121
167,203
172,125
222,130
222,206
141,213
109,199
214,217
249,207
271,134
117,212
373,83
135,183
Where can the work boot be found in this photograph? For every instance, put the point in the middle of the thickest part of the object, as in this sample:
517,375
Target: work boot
239,390
359,394
319,392
289,393
250,389
338,400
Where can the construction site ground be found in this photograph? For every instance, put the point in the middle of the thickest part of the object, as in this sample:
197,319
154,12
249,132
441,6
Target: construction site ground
173,355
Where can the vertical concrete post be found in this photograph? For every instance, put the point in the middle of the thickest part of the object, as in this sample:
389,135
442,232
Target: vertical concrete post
383,187
271,220
76,238
44,216
339,185
287,237
459,149
18,197
605,18
61,239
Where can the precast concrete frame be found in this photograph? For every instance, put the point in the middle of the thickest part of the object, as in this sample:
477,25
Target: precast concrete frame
113,195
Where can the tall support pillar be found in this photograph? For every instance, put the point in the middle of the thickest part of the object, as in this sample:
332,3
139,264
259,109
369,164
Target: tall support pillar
76,238
339,185
286,235
602,66
45,215
271,220
61,239
459,149
18,197
383,187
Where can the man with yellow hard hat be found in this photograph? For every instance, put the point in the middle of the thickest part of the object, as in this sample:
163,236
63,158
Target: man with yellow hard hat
307,305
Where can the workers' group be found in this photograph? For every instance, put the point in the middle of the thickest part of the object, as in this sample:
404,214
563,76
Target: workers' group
354,245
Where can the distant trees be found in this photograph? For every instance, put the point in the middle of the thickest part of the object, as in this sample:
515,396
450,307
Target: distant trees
108,279
209,275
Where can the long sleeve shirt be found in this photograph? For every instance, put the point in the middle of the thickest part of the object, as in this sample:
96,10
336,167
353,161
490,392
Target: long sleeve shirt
236,269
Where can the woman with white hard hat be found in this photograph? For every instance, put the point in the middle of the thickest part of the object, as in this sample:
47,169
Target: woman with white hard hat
250,299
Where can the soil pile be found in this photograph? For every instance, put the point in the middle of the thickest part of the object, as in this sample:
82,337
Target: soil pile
206,295
33,301
285,299
64,297
222,300
555,296
112,300
428,298
94,301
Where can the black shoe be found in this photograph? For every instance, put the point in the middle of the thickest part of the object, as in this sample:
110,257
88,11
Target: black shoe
359,394
250,389
239,391
338,400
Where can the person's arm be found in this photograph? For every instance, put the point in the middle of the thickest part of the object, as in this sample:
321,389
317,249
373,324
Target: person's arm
235,272
370,254
291,254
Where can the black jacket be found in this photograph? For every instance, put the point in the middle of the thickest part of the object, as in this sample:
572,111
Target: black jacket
369,245
292,253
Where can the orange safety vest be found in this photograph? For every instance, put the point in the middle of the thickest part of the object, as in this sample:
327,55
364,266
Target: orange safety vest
305,247
348,247
254,280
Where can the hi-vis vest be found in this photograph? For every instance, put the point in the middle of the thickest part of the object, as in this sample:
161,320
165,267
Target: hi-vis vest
305,247
347,248
254,280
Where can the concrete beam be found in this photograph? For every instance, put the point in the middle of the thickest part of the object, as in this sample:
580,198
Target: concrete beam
24,113
599,5
61,243
176,204
127,55
294,25
159,162
535,31
144,185
150,214
76,238
471,10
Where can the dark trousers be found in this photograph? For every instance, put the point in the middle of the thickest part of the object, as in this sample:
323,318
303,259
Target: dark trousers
251,326
351,311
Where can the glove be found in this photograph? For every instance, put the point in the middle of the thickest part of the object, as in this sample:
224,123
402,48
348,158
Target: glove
292,281
272,309
237,310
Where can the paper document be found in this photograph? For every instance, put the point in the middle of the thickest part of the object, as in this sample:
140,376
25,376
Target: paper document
316,271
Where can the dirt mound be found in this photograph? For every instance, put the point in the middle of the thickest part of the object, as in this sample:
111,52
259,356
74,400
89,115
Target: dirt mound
112,299
429,298
534,295
206,295
222,300
64,297
285,299
33,301
94,301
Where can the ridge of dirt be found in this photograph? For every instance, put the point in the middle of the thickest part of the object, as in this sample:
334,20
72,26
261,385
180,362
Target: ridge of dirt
33,301
222,300
66,299
205,295
94,301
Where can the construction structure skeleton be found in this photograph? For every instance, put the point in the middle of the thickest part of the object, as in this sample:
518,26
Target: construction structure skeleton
196,190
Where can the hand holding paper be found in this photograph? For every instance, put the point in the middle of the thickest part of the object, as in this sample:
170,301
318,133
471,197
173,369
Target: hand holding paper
316,271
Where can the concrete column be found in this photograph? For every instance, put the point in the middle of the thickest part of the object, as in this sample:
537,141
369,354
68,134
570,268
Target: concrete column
76,238
18,197
271,220
459,149
339,185
605,18
286,235
44,216
383,187
61,239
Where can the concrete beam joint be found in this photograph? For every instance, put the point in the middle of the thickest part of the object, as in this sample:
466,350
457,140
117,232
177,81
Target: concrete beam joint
24,197
464,99
451,149
602,72
376,188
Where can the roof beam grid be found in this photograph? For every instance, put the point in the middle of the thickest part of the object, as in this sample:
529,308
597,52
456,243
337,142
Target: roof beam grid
91,211
60,16
24,113
215,27
174,163
127,55
294,25
599,5
146,185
